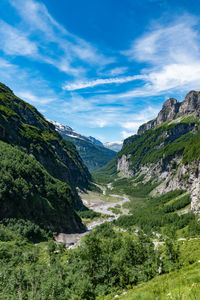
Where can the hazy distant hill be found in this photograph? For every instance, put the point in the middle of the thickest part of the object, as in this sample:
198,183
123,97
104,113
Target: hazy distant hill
92,151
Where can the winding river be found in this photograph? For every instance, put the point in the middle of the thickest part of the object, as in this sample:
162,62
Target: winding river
71,240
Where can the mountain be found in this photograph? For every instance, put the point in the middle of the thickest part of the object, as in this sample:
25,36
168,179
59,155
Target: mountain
23,127
95,141
92,151
115,146
165,151
28,192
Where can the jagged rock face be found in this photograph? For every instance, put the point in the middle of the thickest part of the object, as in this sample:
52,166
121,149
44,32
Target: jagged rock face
169,111
191,104
185,178
172,109
123,165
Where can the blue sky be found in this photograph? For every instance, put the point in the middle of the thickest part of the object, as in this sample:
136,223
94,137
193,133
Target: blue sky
103,67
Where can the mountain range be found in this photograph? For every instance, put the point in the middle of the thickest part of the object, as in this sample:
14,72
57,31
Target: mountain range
165,151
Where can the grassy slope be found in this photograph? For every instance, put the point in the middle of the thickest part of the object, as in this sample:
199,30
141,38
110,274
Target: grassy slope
94,156
22,125
28,192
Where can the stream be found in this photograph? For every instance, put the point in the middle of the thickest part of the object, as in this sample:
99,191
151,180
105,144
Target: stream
72,239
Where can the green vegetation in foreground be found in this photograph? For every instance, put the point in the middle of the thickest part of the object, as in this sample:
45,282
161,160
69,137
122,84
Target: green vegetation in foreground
183,283
94,156
105,261
28,192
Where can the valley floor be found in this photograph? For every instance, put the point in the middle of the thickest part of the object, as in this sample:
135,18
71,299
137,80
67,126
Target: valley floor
110,206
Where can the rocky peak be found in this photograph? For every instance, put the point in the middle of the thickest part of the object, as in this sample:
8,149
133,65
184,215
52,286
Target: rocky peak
173,109
191,104
169,110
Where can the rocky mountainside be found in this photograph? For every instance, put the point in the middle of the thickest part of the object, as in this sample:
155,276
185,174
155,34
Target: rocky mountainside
92,151
165,150
23,127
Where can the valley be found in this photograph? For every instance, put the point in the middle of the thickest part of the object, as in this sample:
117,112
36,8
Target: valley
128,230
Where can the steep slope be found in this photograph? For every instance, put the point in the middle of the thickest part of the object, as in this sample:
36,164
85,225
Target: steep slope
165,150
92,151
28,192
22,125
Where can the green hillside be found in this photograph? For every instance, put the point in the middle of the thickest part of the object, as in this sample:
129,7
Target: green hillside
22,125
94,156
28,192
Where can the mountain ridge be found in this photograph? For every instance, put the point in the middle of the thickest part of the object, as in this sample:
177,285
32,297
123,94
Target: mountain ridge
27,134
166,150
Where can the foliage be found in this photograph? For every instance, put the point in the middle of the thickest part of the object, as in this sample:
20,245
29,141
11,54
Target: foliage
178,204
192,150
23,126
26,229
28,192
88,214
106,260
94,156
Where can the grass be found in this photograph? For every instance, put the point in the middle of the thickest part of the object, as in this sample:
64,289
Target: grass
100,197
182,284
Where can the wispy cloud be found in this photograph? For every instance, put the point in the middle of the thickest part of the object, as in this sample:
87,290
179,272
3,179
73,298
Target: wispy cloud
68,49
82,85
15,42
137,119
173,57
33,99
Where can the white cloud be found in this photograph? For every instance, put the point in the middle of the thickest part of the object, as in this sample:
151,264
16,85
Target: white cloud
114,72
15,42
126,134
137,119
33,99
172,53
58,46
82,85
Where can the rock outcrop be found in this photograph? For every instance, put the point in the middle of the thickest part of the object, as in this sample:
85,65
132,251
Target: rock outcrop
172,109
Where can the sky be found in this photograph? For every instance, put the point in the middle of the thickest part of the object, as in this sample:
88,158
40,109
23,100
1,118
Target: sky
102,67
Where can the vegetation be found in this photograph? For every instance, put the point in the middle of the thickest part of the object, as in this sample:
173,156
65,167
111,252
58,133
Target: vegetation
106,260
28,192
163,142
23,126
152,215
94,156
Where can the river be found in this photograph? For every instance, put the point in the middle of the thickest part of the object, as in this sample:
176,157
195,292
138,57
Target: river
71,240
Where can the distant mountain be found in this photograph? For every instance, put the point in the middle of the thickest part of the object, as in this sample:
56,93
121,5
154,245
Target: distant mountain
92,151
37,161
95,141
115,146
